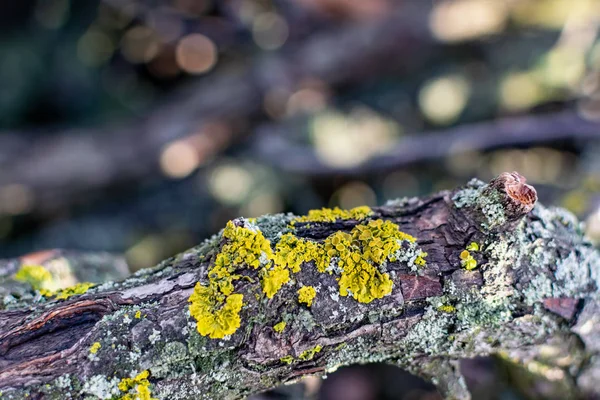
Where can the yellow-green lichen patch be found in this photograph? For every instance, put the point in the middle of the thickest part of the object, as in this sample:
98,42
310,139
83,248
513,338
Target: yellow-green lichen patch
273,279
365,282
373,243
279,327
37,276
137,388
245,246
420,260
306,294
95,347
310,353
473,246
379,239
447,308
138,314
214,306
306,355
334,214
63,294
356,254
287,359
467,261
217,315
292,251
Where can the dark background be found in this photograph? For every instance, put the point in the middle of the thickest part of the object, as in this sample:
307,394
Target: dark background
141,127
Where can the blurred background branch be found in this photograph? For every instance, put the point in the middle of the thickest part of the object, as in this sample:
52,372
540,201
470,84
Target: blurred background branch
140,128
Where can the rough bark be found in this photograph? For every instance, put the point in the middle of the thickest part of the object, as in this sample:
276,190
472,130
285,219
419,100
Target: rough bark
532,299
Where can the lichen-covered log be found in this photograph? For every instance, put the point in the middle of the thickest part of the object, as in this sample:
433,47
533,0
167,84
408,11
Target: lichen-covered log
420,283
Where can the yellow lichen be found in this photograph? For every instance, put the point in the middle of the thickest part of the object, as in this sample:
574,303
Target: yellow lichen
138,314
37,276
79,288
214,306
373,243
95,347
467,260
279,327
245,246
309,354
42,280
363,280
217,315
473,246
306,294
287,359
273,279
420,260
379,239
333,214
137,388
446,308
304,356
292,251
356,253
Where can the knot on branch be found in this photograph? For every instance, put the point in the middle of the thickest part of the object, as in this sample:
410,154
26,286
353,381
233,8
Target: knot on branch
518,198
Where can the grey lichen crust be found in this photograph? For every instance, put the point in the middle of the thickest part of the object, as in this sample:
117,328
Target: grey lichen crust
435,315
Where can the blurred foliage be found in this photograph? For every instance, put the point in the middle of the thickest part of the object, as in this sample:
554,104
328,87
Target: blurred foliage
85,65
72,64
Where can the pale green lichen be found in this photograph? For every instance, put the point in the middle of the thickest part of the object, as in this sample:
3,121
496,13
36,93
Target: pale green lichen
487,202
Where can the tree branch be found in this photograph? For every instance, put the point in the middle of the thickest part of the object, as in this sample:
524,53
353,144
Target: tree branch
274,146
498,279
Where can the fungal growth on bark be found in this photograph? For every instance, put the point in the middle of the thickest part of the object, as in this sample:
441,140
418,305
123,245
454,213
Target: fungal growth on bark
418,282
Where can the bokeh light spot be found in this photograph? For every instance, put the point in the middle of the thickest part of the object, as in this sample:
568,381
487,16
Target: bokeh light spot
15,199
519,91
95,48
179,159
230,183
140,45
348,140
196,54
263,203
354,194
467,19
270,31
443,99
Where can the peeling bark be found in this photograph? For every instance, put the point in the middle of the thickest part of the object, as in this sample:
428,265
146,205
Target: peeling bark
534,288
